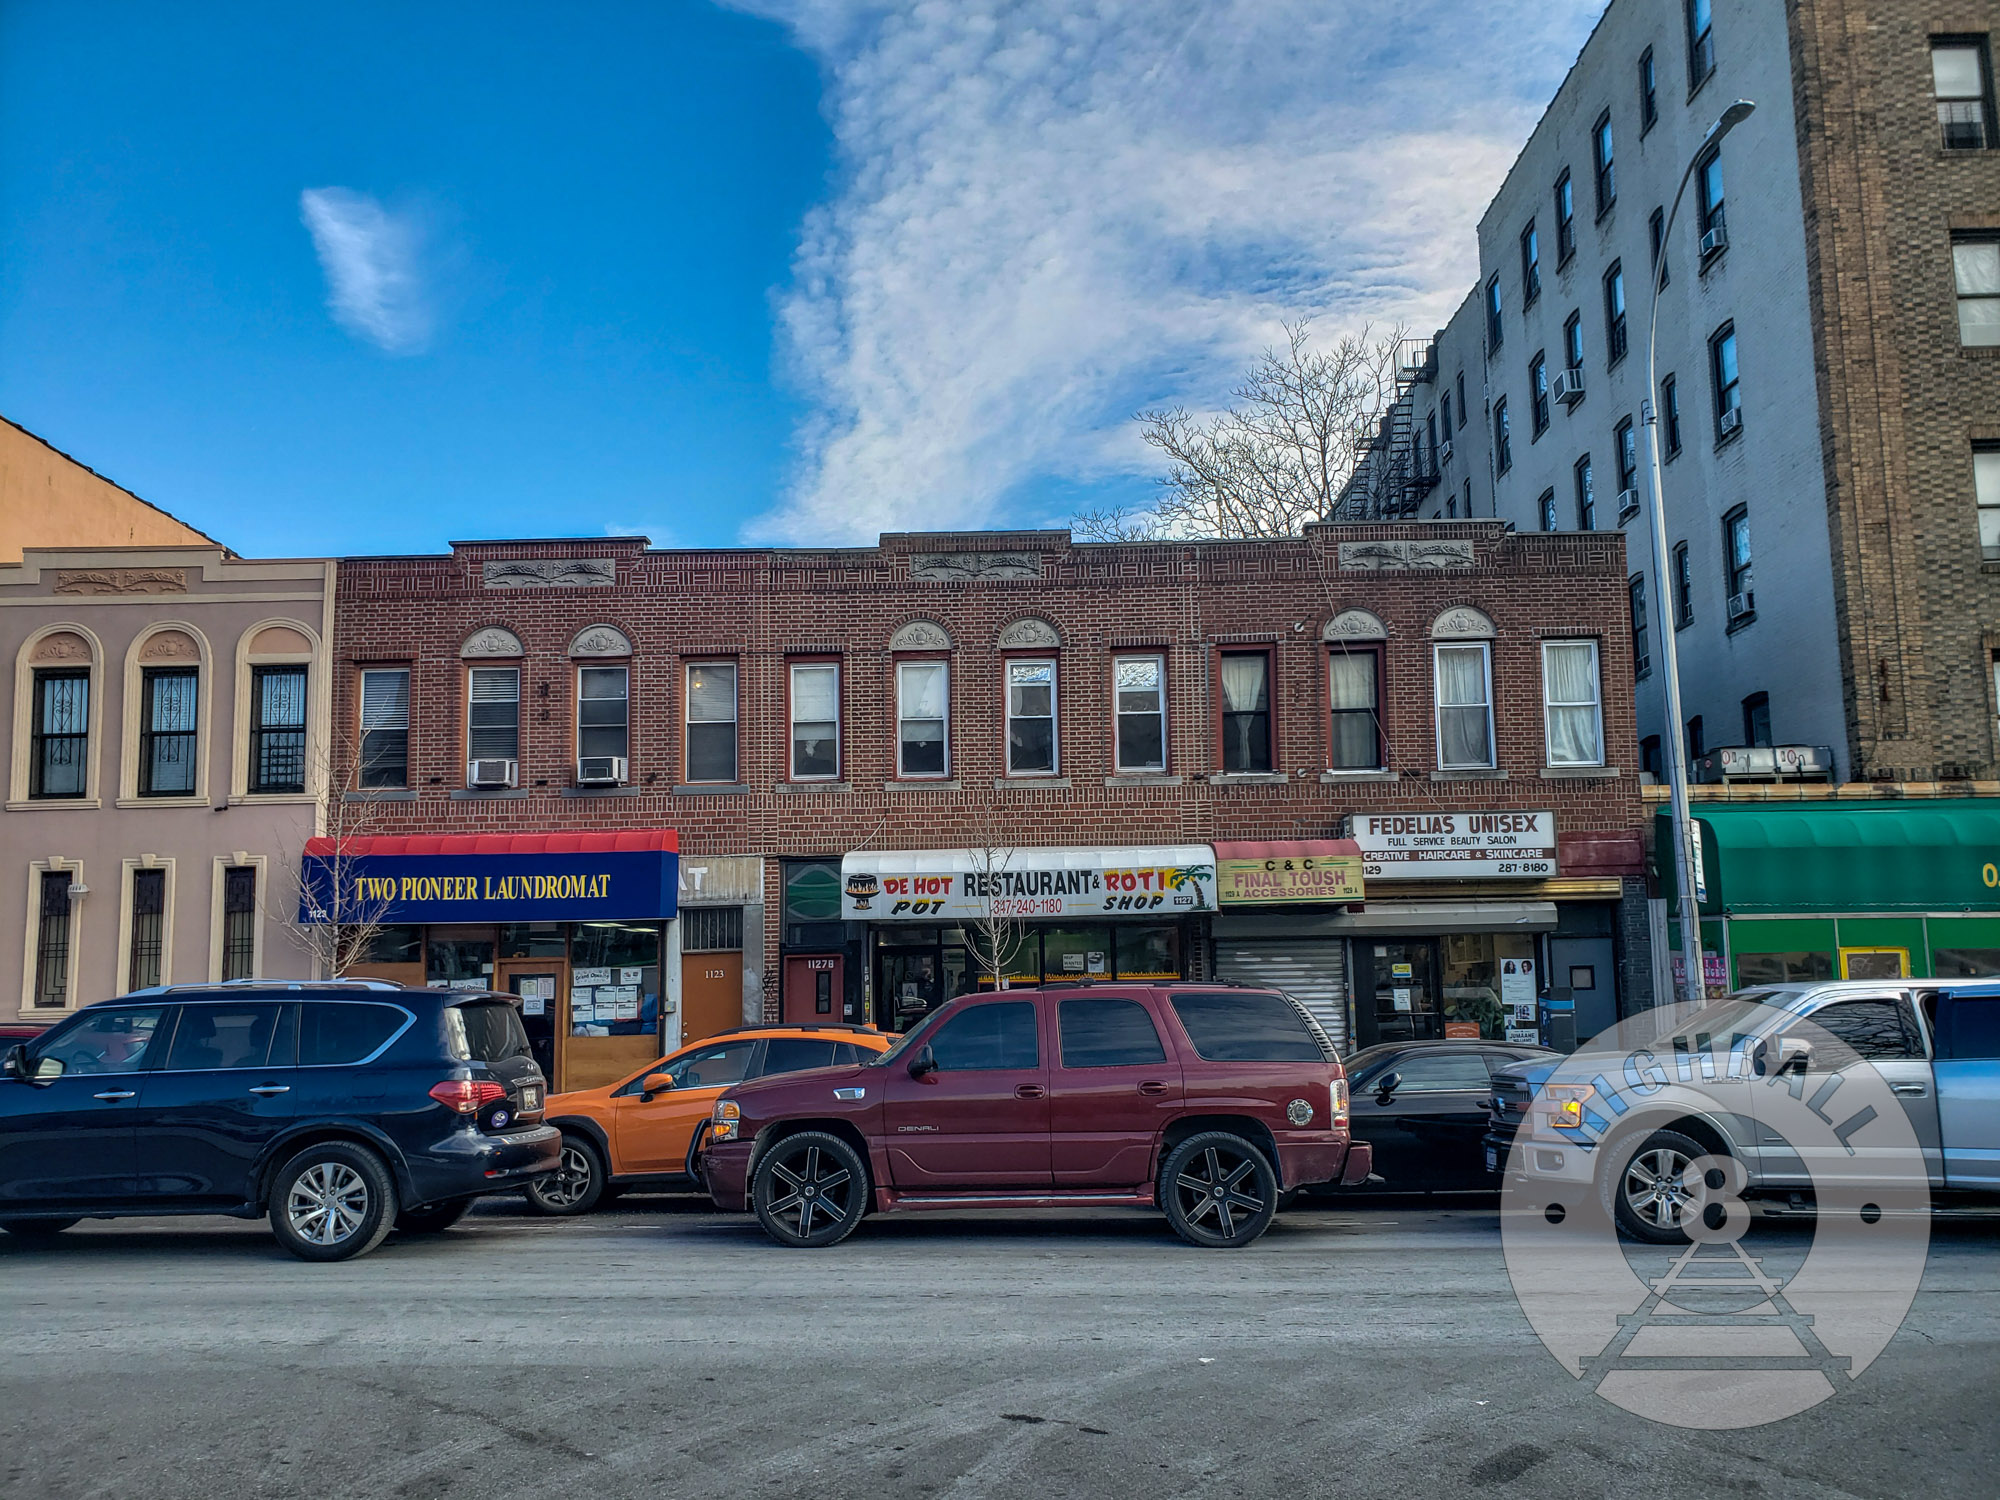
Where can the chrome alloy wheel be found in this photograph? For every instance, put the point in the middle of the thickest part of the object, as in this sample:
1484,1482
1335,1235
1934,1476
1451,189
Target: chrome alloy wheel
815,1188
566,1186
1654,1189
1215,1183
327,1203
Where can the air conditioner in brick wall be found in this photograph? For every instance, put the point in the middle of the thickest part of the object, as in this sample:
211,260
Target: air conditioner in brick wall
600,770
1444,453
1731,423
482,775
1714,242
1742,605
1568,388
1628,504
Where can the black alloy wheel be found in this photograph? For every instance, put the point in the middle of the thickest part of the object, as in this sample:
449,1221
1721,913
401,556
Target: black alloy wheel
37,1229
333,1201
1218,1190
432,1218
810,1190
575,1186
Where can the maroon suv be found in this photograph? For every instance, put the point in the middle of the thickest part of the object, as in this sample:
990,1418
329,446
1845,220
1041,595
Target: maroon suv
1207,1100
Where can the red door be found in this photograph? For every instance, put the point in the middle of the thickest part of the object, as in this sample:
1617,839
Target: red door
980,1121
815,989
1112,1089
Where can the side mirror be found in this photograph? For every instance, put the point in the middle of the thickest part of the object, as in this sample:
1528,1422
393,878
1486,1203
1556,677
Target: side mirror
1794,1055
1386,1086
655,1083
48,1068
924,1063
15,1064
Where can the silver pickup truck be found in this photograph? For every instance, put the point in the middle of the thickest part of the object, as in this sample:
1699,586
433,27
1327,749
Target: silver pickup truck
1936,1043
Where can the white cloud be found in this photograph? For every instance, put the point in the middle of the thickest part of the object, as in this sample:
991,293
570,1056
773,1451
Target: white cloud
370,255
1053,212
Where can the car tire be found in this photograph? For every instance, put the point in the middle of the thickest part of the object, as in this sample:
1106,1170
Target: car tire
37,1229
810,1190
576,1186
333,1201
1641,1170
432,1218
1218,1190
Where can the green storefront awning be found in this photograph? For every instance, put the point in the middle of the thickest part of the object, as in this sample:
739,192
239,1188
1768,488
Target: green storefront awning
1941,856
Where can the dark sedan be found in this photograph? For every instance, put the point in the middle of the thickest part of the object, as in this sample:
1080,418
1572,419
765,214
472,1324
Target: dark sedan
1424,1107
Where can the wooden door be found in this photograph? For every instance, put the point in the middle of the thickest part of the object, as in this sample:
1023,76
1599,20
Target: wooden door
815,989
711,994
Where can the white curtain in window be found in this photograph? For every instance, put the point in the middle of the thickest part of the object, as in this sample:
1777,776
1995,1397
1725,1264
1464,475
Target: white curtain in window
815,695
1244,688
921,689
1569,683
1465,730
1356,745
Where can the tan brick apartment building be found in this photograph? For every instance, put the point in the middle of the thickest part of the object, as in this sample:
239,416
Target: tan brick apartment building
809,723
1829,369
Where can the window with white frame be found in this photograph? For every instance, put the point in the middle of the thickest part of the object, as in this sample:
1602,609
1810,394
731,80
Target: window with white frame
815,701
1031,718
1141,686
711,722
1354,683
385,727
1964,92
923,718
1975,270
1572,703
603,712
493,714
1246,712
1465,706
1986,494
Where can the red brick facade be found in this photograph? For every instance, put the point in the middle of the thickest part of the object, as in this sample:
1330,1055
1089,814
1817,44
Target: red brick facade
1186,602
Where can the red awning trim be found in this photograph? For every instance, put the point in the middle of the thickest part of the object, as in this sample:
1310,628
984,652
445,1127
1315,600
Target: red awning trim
632,841
1287,849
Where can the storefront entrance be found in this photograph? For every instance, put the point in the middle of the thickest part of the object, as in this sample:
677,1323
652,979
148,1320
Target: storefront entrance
543,986
815,985
1396,982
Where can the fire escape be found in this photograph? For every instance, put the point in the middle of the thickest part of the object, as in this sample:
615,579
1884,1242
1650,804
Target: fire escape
1395,464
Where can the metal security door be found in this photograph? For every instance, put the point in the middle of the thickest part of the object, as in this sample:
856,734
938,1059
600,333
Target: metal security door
1313,973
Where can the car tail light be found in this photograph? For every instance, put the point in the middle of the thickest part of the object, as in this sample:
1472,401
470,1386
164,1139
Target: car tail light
466,1095
1340,1101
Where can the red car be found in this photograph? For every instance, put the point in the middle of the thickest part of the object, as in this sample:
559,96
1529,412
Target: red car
1210,1101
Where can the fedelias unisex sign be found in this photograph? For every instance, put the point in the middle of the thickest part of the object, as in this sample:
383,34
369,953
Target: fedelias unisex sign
1456,845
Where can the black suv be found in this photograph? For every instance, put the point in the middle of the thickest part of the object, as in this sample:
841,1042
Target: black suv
343,1109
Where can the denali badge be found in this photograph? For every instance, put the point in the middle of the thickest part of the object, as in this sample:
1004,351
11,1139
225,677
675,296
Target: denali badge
1299,1112
917,1129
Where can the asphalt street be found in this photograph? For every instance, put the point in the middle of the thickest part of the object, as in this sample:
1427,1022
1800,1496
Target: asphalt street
663,1349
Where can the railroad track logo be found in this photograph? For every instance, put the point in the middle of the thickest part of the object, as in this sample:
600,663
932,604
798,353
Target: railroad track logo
1650,1125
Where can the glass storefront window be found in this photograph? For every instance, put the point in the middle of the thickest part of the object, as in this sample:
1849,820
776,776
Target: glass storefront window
1964,963
458,960
1785,968
1149,952
1077,953
614,954
533,940
395,945
1475,992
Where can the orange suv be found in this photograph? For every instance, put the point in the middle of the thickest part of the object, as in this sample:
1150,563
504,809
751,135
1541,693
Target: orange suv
644,1131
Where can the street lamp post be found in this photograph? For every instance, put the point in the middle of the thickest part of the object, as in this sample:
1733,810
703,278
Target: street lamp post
1686,850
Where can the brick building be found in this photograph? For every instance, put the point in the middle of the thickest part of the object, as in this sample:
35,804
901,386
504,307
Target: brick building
1827,376
1092,710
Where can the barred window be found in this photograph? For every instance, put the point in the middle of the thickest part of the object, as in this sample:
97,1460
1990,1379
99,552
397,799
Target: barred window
149,908
59,734
239,922
52,939
711,929
167,736
278,729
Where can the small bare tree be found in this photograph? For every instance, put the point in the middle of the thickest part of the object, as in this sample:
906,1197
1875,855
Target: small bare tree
997,935
1277,459
344,917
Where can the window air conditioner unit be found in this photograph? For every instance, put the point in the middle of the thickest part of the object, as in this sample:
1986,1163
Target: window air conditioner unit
1444,453
600,770
1569,387
1628,503
1731,423
492,773
1742,604
1714,242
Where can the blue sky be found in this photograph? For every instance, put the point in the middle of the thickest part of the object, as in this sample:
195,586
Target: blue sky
370,277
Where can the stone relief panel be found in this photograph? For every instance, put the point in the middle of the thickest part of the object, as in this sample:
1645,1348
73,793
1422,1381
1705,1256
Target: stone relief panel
958,567
121,581
1029,634
1383,557
170,645
1354,625
550,573
63,646
921,635
492,641
600,640
1462,623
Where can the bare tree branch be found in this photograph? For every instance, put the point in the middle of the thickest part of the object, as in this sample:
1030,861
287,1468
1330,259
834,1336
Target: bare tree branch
350,919
1277,460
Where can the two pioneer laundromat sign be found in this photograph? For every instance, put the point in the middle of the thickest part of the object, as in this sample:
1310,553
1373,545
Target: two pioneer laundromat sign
1456,845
